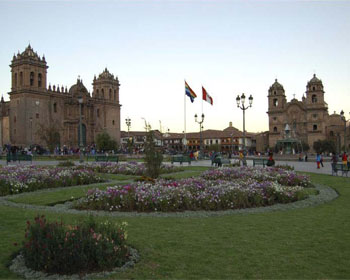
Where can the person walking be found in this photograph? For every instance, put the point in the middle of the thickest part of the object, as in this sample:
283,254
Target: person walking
321,160
318,160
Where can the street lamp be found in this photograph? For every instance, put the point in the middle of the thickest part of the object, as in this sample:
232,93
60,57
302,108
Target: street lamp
128,124
241,100
345,121
200,130
80,100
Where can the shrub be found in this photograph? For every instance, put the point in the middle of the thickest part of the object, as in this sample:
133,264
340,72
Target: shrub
66,163
63,249
153,157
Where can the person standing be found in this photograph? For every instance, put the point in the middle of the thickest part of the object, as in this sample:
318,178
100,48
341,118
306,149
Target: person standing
344,159
318,160
321,160
270,161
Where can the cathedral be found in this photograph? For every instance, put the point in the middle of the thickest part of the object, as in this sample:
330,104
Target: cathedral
307,120
34,106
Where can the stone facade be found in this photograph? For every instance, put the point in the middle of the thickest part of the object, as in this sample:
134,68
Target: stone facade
34,106
308,119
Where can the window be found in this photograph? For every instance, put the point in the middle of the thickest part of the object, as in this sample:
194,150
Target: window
31,78
313,88
103,93
15,81
314,116
275,129
98,113
97,93
39,80
274,92
37,115
110,94
275,102
314,98
21,78
55,107
314,127
274,118
331,133
112,122
14,131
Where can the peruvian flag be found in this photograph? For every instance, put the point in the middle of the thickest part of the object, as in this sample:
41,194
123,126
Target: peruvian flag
206,96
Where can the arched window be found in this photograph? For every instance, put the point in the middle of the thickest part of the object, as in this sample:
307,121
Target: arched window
103,93
275,129
274,92
313,88
331,133
55,107
39,80
15,81
113,122
110,94
97,93
314,127
314,98
21,78
98,113
31,79
115,95
275,102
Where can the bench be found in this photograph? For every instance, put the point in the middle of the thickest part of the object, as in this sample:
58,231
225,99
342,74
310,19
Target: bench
344,169
259,161
104,158
19,158
219,161
181,159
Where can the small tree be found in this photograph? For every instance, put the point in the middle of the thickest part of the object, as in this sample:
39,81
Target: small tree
105,142
153,157
305,146
49,134
324,146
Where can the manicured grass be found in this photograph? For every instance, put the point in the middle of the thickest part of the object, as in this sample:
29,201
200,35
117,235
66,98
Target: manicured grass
305,243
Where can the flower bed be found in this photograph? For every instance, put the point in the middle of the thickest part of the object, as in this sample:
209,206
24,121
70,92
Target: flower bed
219,192
63,249
127,168
279,175
18,179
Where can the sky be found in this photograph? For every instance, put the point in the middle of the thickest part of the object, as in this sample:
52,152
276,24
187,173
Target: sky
229,47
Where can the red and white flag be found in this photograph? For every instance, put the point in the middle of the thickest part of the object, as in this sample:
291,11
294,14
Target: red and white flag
206,96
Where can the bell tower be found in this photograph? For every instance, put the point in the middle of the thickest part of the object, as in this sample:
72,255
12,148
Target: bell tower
28,71
315,93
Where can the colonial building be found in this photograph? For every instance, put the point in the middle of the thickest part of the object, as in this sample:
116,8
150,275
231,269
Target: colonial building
34,106
307,120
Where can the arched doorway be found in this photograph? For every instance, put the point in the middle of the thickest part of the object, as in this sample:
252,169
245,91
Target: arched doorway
84,134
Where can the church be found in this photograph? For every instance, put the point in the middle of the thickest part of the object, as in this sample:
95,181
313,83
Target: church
305,121
34,106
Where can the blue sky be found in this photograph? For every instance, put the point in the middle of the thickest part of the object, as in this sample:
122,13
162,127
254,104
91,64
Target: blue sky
229,47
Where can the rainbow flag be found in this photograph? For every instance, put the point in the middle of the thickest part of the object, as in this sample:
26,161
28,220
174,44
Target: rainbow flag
189,92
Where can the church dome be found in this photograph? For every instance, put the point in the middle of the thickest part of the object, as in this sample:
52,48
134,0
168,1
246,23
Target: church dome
315,80
276,86
78,89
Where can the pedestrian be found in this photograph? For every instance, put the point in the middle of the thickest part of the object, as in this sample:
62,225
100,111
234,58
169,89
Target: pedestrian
270,161
344,159
321,160
318,160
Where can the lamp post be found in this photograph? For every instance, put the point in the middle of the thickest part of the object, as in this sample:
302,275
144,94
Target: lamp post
240,104
345,121
200,130
128,124
80,100
31,132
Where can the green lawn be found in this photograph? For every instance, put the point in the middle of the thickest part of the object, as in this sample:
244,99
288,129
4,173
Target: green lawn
305,243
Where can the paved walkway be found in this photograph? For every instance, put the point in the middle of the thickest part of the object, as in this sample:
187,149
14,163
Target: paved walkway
298,166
